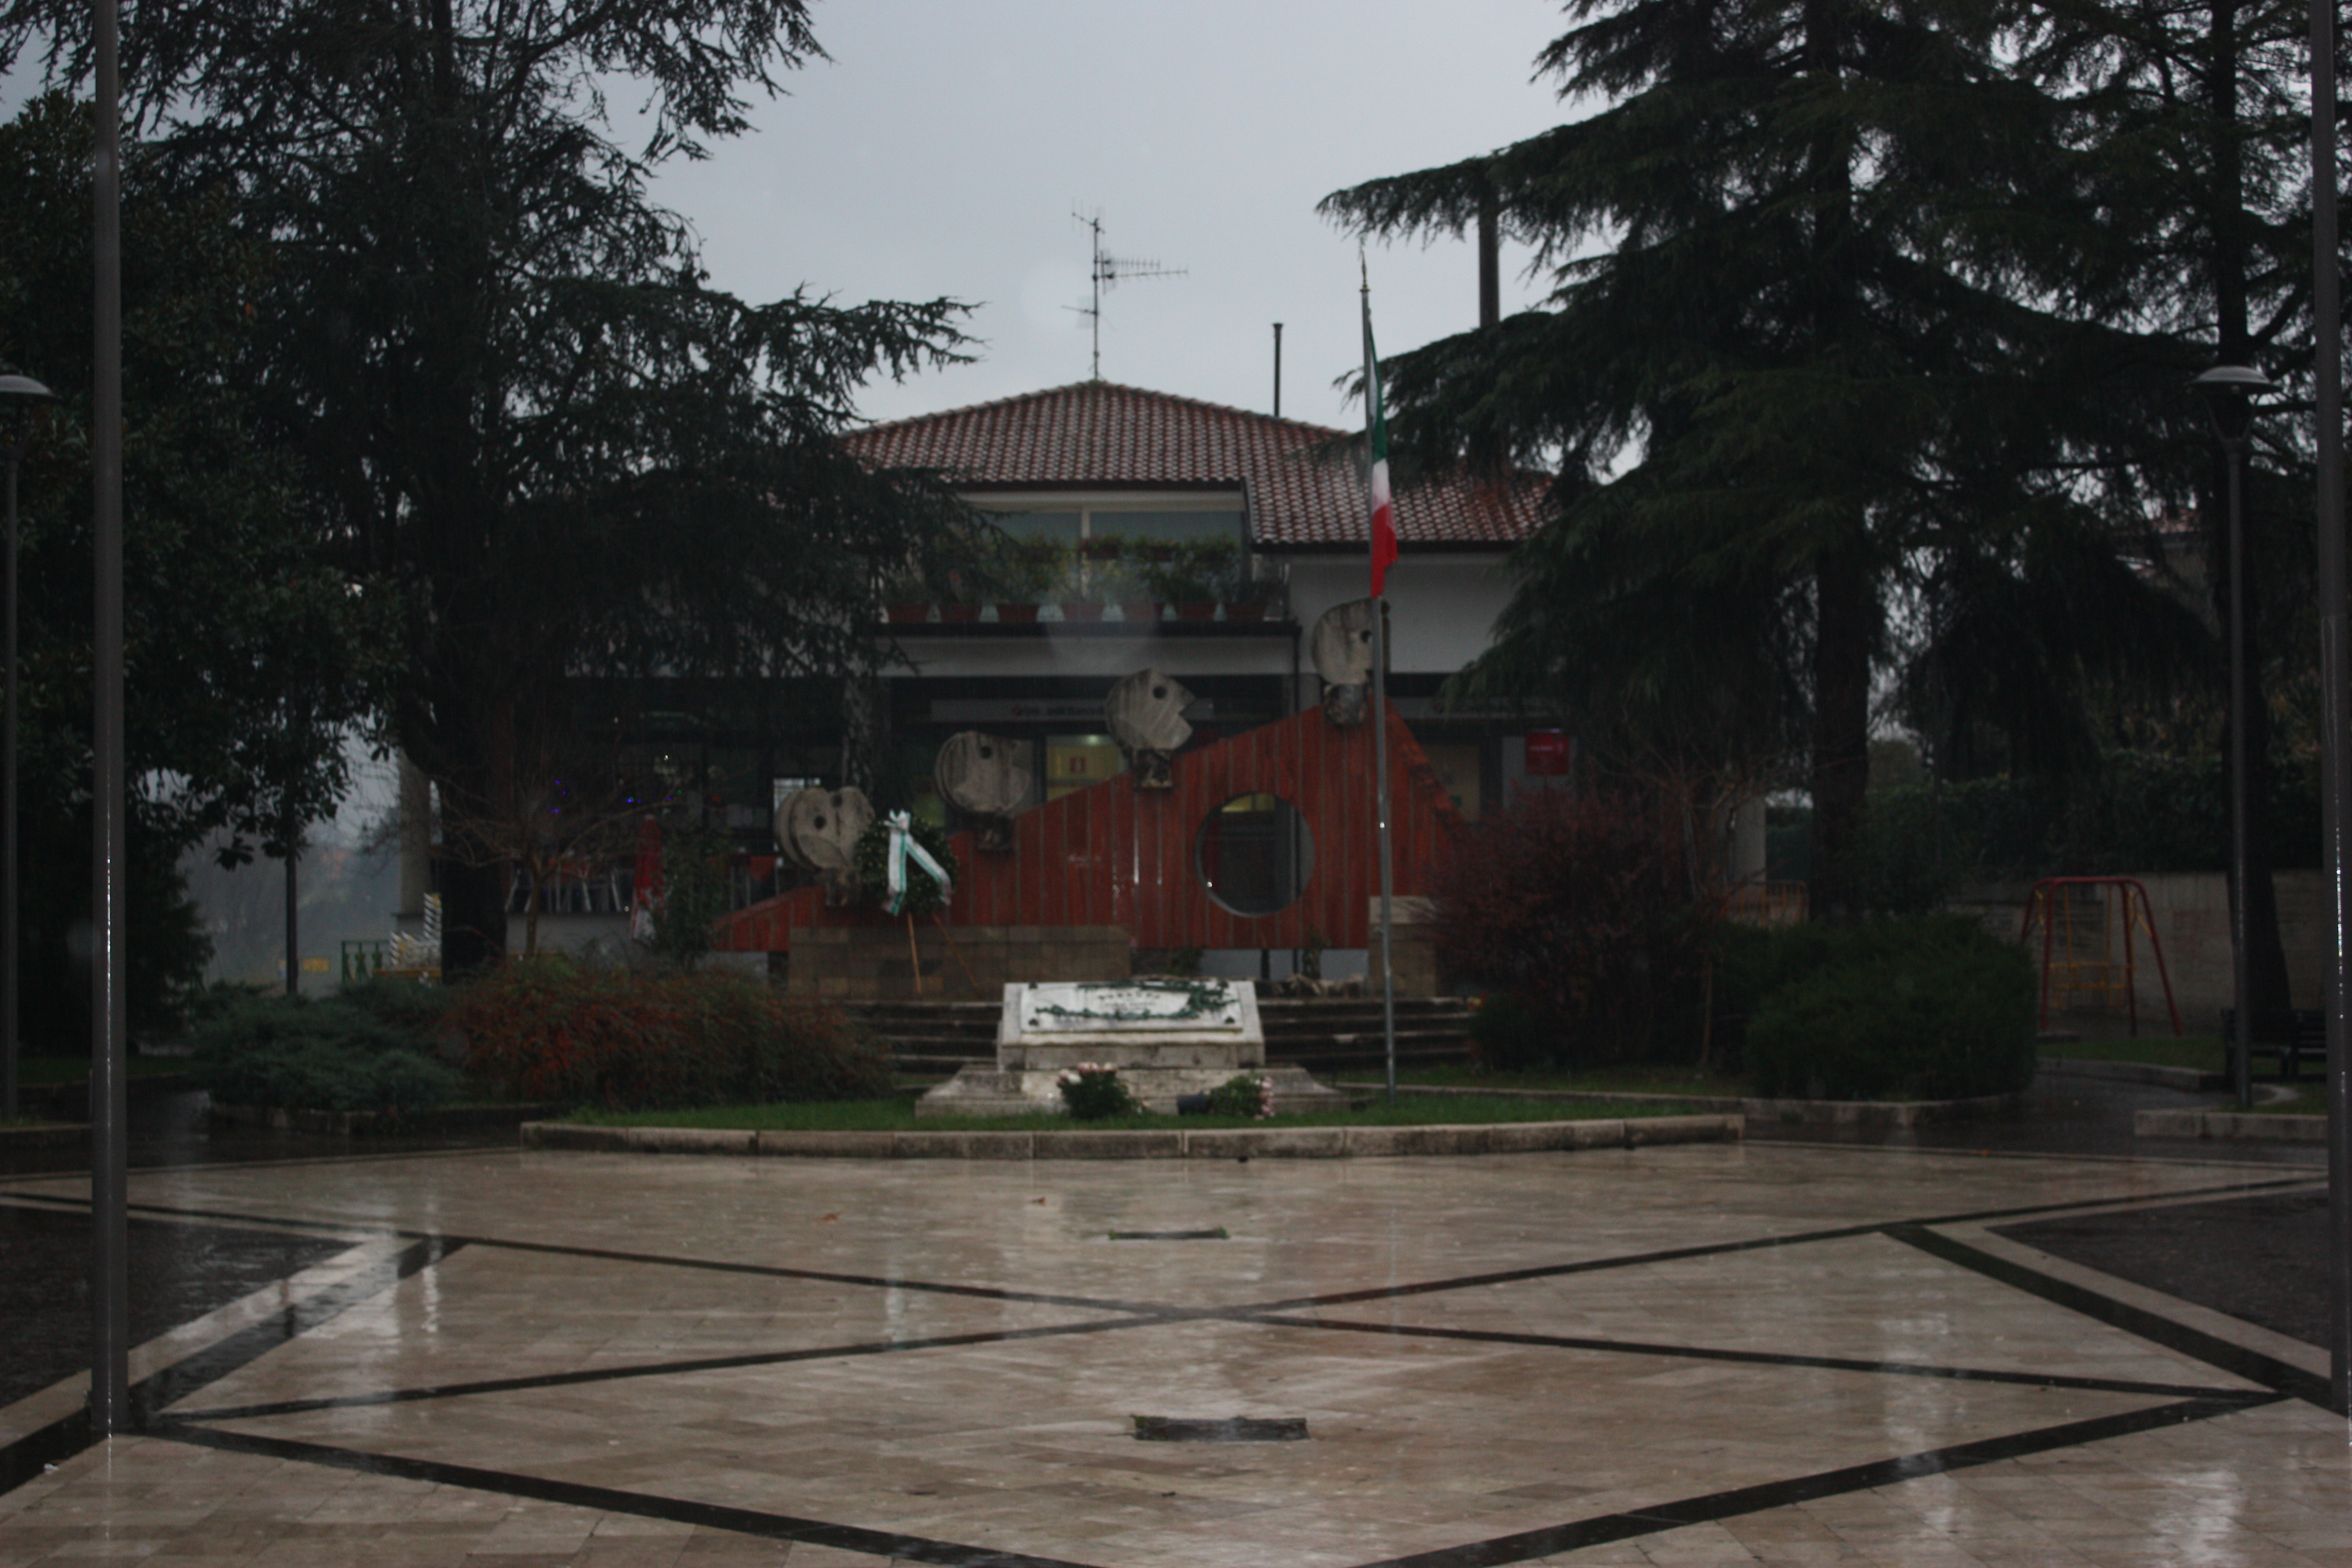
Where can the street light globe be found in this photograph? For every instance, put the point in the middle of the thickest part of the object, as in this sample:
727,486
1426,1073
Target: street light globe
2230,391
19,389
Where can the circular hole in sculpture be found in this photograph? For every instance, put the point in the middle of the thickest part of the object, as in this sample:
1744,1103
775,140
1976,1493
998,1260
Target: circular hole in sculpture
1254,854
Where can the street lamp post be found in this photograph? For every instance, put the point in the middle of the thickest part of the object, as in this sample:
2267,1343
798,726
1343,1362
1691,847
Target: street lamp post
20,395
2229,391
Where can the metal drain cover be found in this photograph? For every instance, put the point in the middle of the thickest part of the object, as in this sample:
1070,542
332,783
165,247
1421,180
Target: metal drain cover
1236,1429
1216,1234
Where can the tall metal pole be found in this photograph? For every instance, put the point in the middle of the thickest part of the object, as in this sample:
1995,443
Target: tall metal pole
109,1367
18,396
293,944
2241,1023
1380,767
8,809
2335,687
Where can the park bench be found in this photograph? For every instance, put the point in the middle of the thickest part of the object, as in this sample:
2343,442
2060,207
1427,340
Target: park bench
2291,1037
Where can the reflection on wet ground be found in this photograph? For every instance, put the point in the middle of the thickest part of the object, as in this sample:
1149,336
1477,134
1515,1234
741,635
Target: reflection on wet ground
177,1272
173,1130
1695,1355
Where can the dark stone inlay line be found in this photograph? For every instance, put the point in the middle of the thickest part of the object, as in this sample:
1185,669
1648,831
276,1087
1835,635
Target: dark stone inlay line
642,1505
209,1365
1766,1358
1715,1249
23,1460
1217,1234
869,1281
647,1369
1232,1429
1707,1509
54,1443
2212,1350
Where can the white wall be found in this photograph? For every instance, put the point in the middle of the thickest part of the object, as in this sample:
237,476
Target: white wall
1441,608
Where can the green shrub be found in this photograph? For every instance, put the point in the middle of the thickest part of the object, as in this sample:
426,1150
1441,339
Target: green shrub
1093,1092
1244,1094
552,1028
1580,905
1929,1008
304,1055
1510,1033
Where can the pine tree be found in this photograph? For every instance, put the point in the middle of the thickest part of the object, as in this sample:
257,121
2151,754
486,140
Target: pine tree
1789,364
515,396
2188,136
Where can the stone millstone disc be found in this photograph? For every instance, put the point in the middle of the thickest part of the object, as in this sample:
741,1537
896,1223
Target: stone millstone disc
817,829
1341,644
1146,711
984,774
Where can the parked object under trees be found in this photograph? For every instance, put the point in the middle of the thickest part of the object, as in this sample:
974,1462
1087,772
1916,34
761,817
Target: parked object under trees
512,392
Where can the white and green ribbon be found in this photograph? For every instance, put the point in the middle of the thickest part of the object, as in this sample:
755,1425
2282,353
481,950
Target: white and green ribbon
904,846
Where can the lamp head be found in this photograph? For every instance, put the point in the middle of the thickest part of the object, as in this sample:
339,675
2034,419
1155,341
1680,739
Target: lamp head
2229,391
19,390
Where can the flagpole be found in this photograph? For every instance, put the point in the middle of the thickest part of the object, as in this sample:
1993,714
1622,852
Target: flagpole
1376,456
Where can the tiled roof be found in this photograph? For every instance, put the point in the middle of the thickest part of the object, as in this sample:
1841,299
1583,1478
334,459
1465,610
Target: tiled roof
1098,434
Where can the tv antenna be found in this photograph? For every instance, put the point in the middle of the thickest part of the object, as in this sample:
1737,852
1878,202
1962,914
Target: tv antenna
1107,271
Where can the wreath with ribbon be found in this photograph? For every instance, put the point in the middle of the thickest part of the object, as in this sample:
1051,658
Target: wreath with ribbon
905,865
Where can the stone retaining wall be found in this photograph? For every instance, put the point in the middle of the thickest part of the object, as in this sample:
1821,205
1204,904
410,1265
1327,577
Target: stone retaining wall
870,963
1151,1143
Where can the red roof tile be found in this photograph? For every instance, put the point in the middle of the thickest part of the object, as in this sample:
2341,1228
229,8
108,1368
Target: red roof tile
1099,434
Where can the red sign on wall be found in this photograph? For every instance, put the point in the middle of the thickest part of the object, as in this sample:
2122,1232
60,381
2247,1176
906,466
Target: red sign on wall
1548,753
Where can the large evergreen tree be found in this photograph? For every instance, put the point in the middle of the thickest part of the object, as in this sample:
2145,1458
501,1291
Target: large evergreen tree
249,659
514,395
2186,139
1794,361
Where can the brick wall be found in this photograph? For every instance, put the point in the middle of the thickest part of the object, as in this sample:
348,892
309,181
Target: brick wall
871,963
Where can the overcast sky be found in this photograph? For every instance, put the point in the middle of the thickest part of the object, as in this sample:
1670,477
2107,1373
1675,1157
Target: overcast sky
946,146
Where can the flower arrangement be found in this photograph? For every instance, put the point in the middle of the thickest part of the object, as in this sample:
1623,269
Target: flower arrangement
1244,1094
1092,1092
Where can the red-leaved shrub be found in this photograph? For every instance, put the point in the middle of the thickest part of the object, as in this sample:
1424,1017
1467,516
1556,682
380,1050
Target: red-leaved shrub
549,1029
1577,906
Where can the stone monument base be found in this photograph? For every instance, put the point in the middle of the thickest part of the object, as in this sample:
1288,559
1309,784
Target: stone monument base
1166,1038
986,1091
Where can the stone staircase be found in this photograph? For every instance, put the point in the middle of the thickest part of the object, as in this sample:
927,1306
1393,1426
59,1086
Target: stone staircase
1333,1034
933,1039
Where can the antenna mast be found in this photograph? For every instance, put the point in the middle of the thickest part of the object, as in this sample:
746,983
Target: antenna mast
1106,272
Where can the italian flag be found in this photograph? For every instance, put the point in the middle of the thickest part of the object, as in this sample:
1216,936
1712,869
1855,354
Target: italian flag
1376,439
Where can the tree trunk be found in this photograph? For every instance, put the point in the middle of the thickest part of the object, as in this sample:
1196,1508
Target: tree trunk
1844,622
2266,979
473,918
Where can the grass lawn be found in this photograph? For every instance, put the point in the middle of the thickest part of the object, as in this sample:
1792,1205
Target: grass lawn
1595,1080
898,1115
2202,1052
47,1071
2310,1099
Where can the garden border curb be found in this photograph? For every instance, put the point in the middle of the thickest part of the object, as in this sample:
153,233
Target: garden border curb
2228,1124
1835,1112
1150,1144
2189,1078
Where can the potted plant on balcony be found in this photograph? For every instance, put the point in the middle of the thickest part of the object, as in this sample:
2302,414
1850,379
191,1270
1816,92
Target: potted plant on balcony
1253,598
1097,577
1025,573
1198,574
906,599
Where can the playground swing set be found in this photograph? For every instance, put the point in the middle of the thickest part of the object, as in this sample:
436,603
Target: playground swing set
2080,957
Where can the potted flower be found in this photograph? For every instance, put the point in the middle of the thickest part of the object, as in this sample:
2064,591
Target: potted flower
906,599
1253,597
1026,572
1198,574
